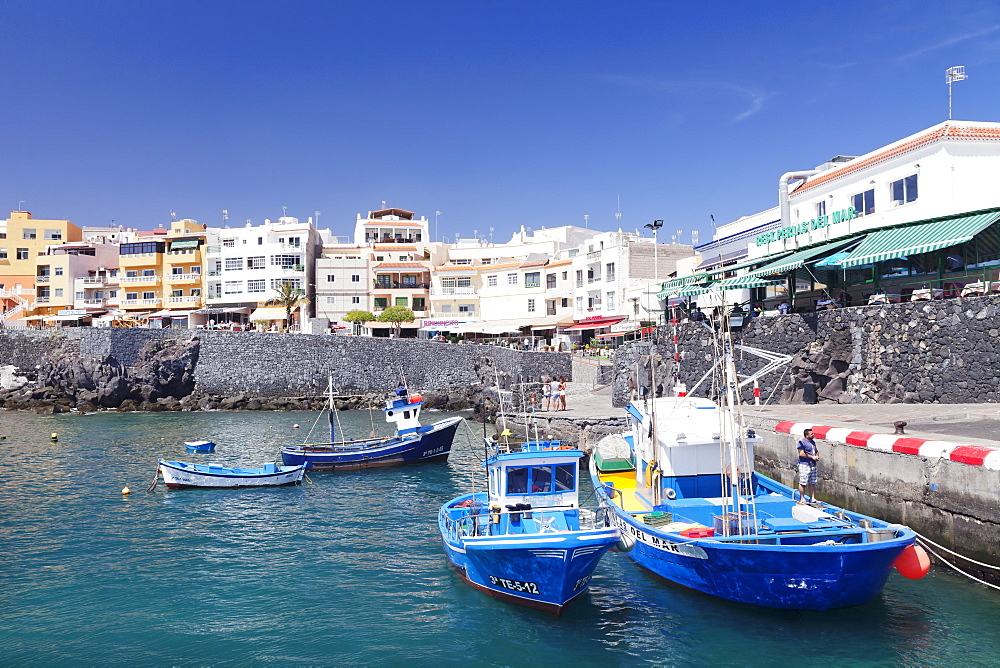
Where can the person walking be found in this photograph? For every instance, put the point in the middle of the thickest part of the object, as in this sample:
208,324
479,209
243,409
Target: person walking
808,456
562,393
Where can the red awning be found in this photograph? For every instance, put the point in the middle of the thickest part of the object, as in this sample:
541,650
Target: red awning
595,323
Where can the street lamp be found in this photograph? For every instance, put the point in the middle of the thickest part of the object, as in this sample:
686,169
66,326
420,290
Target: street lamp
655,226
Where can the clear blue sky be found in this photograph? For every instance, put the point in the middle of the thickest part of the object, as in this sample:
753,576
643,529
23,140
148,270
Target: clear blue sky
497,113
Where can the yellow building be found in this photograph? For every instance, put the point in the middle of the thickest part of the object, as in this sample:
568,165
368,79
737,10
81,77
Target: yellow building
29,287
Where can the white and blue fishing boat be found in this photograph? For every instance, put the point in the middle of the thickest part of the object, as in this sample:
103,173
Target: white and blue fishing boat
527,540
181,475
411,443
682,486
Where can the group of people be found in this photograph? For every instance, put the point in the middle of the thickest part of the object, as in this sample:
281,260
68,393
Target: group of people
554,395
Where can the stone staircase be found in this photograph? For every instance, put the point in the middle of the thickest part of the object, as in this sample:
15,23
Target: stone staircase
20,303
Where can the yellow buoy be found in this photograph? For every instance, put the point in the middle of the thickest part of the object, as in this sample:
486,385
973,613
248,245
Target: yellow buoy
126,490
55,436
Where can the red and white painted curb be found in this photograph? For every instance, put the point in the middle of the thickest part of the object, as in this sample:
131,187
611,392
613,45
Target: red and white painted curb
976,455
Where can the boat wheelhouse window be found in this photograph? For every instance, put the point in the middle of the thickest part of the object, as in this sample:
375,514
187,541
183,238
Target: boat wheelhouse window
406,415
517,480
541,479
565,477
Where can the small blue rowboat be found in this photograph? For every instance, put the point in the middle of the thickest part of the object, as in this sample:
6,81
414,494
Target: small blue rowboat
199,446
181,475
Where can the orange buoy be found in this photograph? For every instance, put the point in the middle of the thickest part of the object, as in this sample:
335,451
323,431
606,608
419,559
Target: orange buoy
415,398
913,563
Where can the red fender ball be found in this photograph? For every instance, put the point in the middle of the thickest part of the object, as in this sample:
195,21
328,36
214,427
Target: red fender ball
913,563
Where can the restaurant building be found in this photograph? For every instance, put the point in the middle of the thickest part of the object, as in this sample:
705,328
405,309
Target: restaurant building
911,220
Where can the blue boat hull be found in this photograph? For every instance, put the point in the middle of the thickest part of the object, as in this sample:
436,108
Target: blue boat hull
430,443
544,571
790,576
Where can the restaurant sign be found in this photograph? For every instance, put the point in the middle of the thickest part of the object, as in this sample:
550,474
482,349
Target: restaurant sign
816,223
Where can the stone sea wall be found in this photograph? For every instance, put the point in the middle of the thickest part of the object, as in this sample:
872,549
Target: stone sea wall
178,369
943,351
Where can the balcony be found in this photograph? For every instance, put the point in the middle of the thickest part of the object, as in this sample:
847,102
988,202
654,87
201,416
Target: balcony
183,299
594,279
213,250
183,278
140,302
593,256
215,272
42,279
96,280
297,269
443,292
42,300
396,285
132,280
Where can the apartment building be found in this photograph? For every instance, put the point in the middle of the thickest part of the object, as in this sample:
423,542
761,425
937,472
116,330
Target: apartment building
22,240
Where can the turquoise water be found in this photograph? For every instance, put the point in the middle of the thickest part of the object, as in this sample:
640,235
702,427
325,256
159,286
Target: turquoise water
349,569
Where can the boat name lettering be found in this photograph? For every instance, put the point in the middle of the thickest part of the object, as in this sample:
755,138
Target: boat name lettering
434,451
516,585
816,223
582,582
643,537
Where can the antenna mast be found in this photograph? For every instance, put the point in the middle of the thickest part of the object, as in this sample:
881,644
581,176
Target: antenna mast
951,75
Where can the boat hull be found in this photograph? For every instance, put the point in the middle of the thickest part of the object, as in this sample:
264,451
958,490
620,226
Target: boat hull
430,443
182,475
798,577
544,571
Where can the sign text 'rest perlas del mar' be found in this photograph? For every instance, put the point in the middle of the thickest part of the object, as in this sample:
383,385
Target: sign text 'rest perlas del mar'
807,226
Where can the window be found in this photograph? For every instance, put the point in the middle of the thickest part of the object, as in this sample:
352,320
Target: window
355,300
467,309
609,271
565,302
904,191
331,278
403,258
821,207
149,295
284,260
540,479
531,306
355,278
234,264
402,301
331,300
3,253
82,295
511,279
149,272
257,285
58,271
29,233
177,271
131,273
296,283
229,243
233,287
446,308
381,302
294,242
196,269
864,203
196,292
610,302
256,262
176,293
53,235
142,248
491,280
565,274
579,278
579,304
22,253
260,241
419,304
59,292
550,281
131,295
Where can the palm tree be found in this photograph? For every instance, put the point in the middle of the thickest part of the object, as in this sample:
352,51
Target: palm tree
289,296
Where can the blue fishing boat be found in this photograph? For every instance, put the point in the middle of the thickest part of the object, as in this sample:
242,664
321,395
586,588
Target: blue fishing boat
412,442
682,488
527,540
199,446
181,475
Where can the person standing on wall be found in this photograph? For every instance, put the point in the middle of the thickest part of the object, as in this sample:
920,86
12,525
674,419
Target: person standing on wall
808,456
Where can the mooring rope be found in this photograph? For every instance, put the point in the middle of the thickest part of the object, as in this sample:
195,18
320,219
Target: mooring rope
960,556
956,568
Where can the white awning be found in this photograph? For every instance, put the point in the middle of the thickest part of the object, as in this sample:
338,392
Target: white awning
268,313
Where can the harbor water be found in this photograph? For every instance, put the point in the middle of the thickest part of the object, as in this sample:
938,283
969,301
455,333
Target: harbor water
349,569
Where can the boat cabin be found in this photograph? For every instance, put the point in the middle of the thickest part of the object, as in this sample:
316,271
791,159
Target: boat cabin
403,409
676,442
544,474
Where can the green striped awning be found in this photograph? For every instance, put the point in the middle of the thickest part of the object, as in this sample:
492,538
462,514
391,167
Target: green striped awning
797,259
922,238
745,264
672,287
183,243
743,283
693,290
